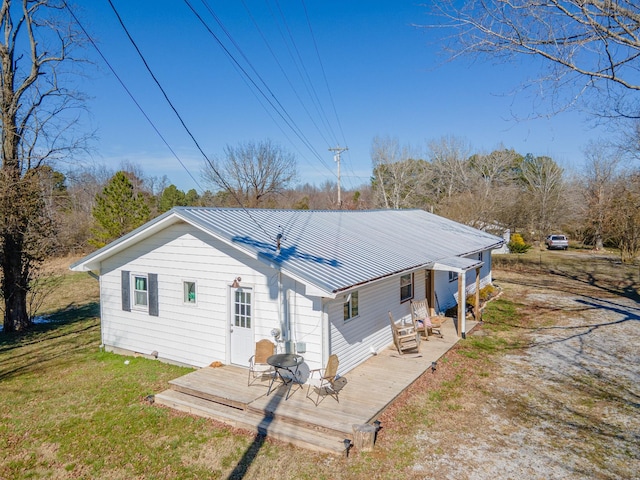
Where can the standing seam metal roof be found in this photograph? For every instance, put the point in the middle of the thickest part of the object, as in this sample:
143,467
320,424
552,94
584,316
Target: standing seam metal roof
338,249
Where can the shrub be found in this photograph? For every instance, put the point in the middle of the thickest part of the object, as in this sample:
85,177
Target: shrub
517,244
486,293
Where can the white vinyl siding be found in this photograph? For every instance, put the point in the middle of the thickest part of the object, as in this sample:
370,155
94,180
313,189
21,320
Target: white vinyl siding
199,336
356,340
447,291
181,333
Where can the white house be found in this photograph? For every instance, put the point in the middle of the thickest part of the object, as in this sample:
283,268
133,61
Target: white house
199,285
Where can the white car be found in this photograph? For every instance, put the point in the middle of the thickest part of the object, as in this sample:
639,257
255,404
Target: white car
559,242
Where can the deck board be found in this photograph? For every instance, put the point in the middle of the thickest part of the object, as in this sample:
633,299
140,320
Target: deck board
368,389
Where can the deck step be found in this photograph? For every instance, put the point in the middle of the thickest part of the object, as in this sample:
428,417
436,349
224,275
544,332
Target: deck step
270,426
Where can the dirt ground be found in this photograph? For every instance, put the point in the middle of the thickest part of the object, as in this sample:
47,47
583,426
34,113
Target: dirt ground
566,406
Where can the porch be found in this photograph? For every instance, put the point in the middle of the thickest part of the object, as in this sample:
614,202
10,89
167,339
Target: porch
222,394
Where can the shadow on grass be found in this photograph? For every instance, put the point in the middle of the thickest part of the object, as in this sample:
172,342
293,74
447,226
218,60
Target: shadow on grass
611,276
251,453
65,316
64,332
591,292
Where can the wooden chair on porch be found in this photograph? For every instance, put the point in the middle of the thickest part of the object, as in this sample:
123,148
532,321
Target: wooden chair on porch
258,366
425,323
405,335
323,380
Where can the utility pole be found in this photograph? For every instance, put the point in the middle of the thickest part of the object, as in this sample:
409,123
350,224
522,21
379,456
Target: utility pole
336,157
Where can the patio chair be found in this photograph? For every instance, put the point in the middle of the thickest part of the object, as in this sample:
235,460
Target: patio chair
425,324
405,335
324,381
258,366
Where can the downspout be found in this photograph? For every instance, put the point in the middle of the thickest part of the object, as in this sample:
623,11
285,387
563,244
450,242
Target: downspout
284,315
325,332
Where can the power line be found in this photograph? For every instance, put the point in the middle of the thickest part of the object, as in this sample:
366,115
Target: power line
283,71
326,82
279,109
302,69
184,125
324,75
297,61
137,104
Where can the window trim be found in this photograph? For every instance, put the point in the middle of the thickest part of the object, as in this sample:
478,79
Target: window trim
348,306
134,304
410,285
453,276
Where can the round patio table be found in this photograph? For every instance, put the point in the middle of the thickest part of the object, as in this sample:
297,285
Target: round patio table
285,362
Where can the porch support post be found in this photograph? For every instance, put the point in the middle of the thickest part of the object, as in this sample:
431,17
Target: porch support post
462,300
431,291
477,313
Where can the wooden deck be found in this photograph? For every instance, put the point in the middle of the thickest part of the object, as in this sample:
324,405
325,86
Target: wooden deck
222,394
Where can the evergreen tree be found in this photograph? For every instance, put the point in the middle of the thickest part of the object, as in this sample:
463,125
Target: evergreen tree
172,197
192,198
118,210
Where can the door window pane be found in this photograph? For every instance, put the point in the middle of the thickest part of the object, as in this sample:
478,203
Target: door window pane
242,309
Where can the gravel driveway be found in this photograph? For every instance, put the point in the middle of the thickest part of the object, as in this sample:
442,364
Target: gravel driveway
566,407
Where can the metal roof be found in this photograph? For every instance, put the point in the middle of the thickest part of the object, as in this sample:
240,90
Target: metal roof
332,250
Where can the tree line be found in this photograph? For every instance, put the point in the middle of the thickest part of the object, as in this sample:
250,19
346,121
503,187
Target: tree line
590,48
503,189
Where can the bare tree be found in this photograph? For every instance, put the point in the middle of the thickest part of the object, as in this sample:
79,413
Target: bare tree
398,177
37,113
598,188
624,216
543,183
491,189
253,172
590,48
628,143
449,157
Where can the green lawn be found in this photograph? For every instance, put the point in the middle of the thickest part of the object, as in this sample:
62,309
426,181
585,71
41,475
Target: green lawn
69,410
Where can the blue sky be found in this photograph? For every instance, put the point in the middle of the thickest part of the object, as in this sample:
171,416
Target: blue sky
385,77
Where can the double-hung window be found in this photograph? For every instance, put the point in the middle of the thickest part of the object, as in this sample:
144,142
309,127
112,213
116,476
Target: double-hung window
140,292
406,287
351,306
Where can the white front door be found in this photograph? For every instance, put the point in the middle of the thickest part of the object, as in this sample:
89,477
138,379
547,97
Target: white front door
242,344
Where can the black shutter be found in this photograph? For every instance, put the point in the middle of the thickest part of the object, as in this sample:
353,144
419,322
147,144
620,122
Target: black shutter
126,291
153,294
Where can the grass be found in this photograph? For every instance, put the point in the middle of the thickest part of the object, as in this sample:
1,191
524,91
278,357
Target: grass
68,410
